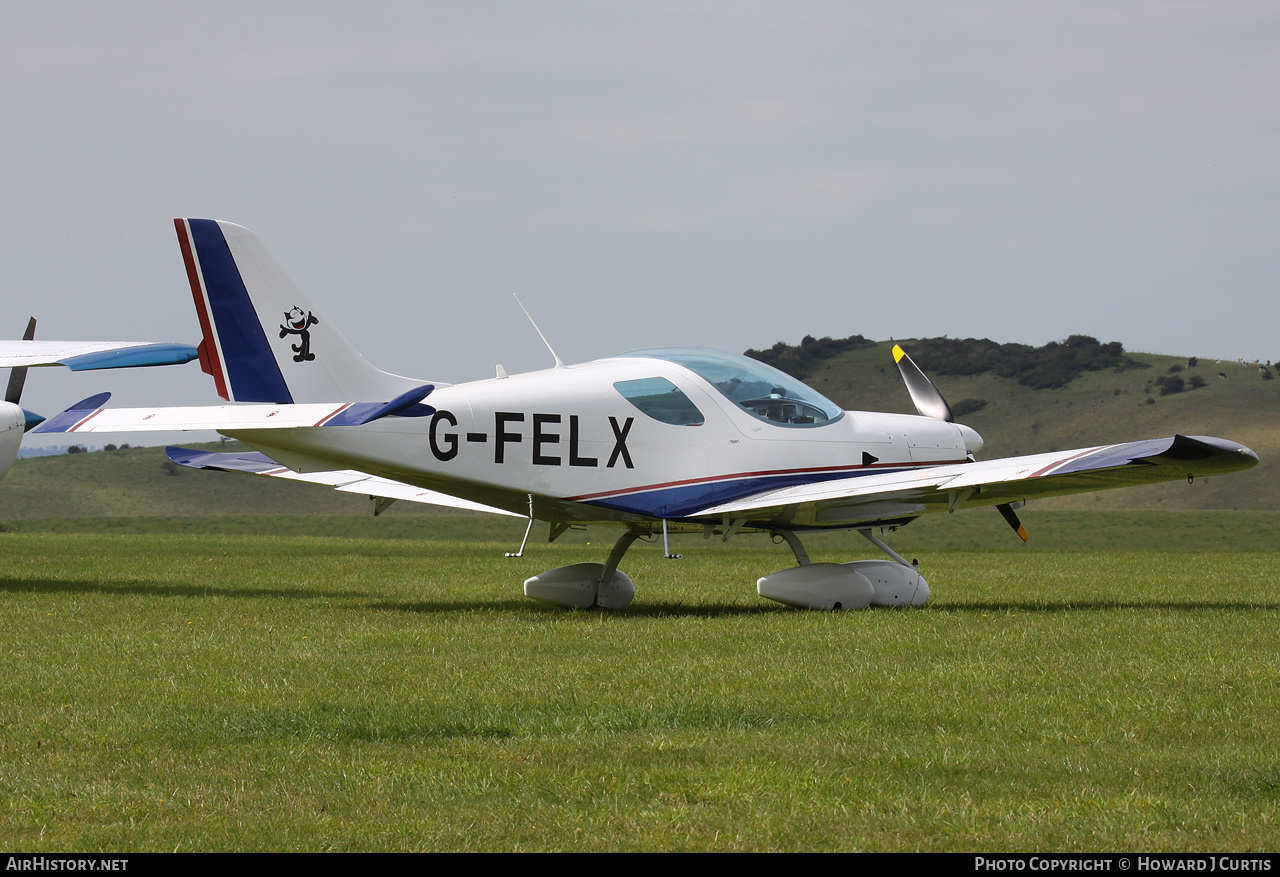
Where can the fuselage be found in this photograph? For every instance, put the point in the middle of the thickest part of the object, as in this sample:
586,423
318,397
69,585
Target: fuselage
624,438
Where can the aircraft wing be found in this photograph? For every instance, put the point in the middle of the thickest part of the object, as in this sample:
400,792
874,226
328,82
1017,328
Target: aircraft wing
85,355
346,480
908,493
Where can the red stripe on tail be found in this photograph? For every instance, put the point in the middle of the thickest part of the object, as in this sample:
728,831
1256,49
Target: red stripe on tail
209,361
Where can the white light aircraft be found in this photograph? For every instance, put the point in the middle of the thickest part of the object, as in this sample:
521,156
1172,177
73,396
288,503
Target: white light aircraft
75,355
655,441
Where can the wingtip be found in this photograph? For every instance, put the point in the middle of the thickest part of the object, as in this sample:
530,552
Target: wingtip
68,420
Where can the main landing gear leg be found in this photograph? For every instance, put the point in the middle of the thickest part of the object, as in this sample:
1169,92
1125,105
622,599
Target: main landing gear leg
587,585
802,556
871,537
897,583
615,557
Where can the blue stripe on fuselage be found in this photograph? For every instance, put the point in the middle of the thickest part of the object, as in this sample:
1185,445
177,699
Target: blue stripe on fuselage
251,366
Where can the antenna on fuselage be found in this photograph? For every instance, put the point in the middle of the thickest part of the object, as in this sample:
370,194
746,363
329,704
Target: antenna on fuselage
559,364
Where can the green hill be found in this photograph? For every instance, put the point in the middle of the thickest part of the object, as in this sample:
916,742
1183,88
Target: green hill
1097,407
1108,404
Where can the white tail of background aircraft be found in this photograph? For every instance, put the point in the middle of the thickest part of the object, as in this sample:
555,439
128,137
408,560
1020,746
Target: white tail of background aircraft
264,339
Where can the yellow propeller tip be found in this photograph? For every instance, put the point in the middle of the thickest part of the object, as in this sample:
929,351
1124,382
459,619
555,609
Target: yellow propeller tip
898,353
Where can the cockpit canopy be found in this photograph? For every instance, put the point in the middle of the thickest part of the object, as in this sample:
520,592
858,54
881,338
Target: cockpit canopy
761,390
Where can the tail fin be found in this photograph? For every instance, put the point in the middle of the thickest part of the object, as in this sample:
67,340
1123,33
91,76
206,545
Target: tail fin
264,341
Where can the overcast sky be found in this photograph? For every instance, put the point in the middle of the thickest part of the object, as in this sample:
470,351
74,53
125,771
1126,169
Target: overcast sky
728,174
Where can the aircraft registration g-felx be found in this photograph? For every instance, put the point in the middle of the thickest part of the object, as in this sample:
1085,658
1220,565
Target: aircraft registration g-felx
15,421
656,441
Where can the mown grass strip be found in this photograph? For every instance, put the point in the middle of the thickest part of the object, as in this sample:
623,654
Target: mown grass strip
210,692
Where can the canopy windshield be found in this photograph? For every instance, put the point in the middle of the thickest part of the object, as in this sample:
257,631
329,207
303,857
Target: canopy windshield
759,389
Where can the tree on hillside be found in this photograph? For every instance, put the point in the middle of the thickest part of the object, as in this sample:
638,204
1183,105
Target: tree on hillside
799,361
1054,365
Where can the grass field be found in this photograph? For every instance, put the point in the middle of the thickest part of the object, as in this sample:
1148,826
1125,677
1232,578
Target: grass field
974,528
204,661
178,690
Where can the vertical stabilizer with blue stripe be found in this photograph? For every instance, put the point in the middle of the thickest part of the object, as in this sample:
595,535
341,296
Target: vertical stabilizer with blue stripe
264,340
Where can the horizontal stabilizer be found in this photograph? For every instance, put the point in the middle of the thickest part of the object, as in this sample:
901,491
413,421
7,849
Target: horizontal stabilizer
236,417
404,405
346,480
76,415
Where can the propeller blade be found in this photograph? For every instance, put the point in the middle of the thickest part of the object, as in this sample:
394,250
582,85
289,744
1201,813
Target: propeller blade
924,394
18,376
1011,516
